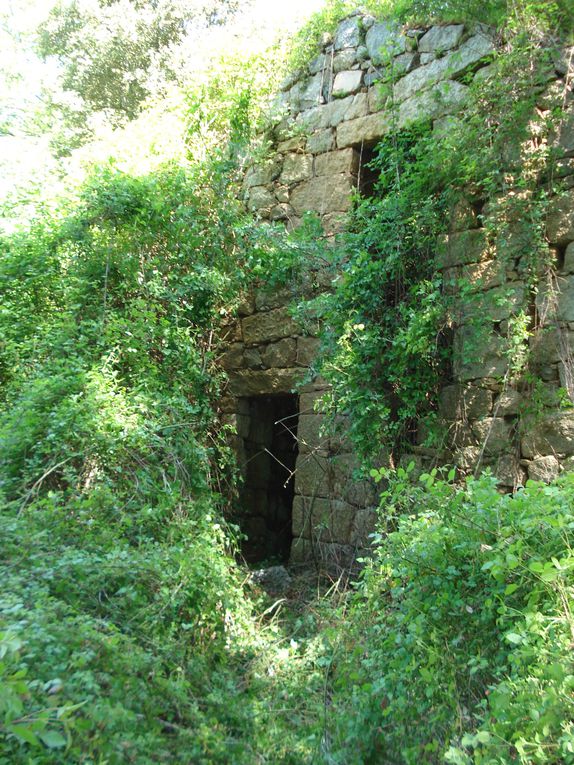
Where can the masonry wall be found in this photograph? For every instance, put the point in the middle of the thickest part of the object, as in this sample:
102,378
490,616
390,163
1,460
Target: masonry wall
327,118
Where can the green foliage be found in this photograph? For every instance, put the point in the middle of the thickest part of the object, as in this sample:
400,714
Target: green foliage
461,641
383,352
115,562
114,55
541,17
387,346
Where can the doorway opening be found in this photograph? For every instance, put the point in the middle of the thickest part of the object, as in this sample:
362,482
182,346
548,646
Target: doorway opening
367,176
270,452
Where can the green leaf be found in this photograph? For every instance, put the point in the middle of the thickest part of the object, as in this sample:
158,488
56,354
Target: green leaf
483,737
514,638
24,734
52,739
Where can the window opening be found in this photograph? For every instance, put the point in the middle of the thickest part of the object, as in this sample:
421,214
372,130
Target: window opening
367,176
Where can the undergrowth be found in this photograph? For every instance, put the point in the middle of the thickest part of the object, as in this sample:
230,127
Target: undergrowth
128,631
459,639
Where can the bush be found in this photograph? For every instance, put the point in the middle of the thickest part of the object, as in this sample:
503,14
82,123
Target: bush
461,642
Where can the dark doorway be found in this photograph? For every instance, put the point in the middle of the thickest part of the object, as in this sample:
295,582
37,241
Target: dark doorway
367,176
270,451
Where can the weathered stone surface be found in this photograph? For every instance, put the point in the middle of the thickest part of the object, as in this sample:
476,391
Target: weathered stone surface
544,469
508,403
233,357
275,580
230,333
309,515
426,58
464,247
334,223
368,128
363,55
309,433
405,63
359,107
232,405
461,435
496,304
296,167
311,402
344,59
260,198
477,356
361,493
347,82
560,220
302,551
373,77
317,64
569,259
311,119
549,435
466,458
364,525
348,34
311,92
483,276
446,97
509,471
267,327
282,194
333,113
323,196
494,433
460,402
281,212
384,41
266,298
335,162
565,305
441,38
247,305
281,354
565,137
307,350
312,475
263,173
550,345
329,556
376,99
252,358
454,64
290,79
463,215
321,141
263,382
239,422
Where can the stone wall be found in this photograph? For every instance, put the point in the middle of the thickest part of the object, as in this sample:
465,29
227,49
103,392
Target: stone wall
328,117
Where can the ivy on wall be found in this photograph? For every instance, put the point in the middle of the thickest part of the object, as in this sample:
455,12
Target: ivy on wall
389,321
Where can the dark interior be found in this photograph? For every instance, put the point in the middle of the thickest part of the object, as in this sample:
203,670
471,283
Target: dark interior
367,176
269,488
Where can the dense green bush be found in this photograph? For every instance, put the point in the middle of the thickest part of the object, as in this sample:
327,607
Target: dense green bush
460,638
127,633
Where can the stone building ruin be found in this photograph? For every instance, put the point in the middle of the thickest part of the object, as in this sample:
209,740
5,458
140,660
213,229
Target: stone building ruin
301,497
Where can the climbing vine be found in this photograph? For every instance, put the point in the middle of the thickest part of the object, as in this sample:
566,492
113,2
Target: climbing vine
394,308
